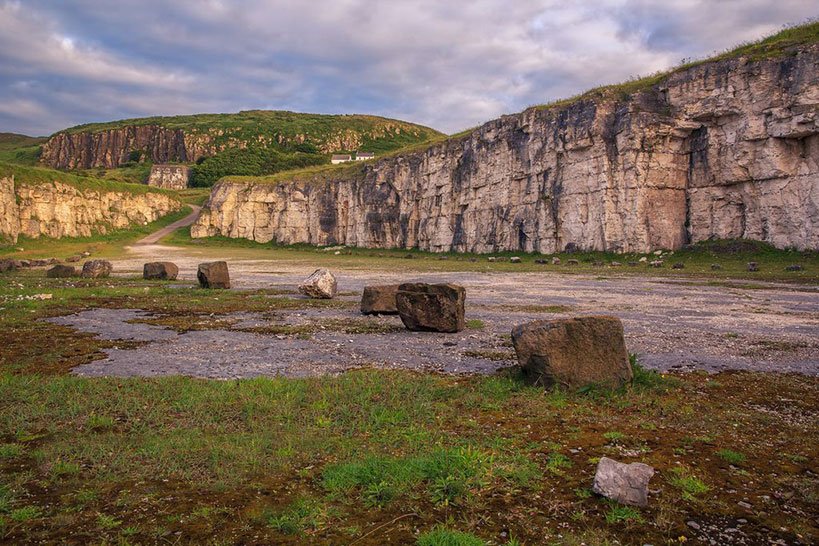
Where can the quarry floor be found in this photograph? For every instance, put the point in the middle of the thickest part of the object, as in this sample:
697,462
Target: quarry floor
672,324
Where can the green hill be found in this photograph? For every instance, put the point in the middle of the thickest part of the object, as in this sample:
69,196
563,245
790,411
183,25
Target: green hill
21,149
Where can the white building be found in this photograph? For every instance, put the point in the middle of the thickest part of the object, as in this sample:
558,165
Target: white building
340,158
364,156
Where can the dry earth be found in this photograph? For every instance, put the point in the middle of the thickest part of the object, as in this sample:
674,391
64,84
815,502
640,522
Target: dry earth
671,324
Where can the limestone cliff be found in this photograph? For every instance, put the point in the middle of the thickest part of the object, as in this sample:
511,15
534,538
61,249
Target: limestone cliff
723,149
56,209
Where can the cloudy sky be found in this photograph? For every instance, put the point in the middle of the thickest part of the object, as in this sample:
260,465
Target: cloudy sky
446,64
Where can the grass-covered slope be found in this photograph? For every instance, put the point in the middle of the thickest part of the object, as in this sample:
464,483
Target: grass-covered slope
20,149
39,175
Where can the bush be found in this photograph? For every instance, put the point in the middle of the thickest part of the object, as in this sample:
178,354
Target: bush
250,162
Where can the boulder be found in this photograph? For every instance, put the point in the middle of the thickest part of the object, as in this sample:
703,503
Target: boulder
61,272
160,271
753,267
321,284
7,264
213,275
624,483
379,300
715,267
573,352
514,259
431,307
93,269
656,263
794,267
555,261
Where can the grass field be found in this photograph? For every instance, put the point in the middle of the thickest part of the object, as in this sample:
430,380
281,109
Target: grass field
373,457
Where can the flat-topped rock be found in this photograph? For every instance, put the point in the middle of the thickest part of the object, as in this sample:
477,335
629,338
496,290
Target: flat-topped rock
61,272
431,307
573,352
160,271
379,300
93,269
213,275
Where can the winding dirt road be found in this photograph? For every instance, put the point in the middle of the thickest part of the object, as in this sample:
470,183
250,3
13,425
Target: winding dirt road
155,237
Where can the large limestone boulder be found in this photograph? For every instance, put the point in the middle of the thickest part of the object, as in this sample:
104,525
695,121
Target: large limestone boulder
431,307
379,300
93,269
61,272
624,483
160,271
321,284
213,275
573,352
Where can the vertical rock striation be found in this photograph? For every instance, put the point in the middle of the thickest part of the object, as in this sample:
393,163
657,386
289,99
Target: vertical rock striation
724,149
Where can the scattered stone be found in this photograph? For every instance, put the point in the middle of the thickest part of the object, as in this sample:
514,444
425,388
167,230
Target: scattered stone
75,258
715,267
643,259
443,257
96,269
213,275
658,252
598,264
86,254
409,256
431,307
633,264
23,263
540,261
7,265
744,504
321,284
164,271
678,265
794,267
753,266
379,300
473,260
573,352
656,263
555,261
61,272
616,264
514,260
491,259
624,483
694,525
573,262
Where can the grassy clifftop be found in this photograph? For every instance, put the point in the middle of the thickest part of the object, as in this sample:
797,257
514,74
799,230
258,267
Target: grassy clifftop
38,175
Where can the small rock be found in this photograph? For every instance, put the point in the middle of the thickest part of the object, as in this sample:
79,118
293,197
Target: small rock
443,257
753,266
379,300
94,269
514,260
616,264
744,504
431,307
633,264
555,261
61,272
213,275
540,261
473,259
715,267
678,265
86,254
573,262
75,258
624,483
160,271
656,263
794,267
598,264
409,256
321,284
643,259
658,252
491,259
694,525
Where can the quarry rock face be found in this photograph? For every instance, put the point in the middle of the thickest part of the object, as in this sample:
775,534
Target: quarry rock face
55,209
573,353
724,149
171,177
431,307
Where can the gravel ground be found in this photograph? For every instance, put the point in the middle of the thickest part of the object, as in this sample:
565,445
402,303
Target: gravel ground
672,325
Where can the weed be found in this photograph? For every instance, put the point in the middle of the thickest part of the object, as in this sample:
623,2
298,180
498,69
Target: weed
731,456
108,522
557,463
690,485
614,436
618,513
475,324
302,514
441,536
25,513
10,451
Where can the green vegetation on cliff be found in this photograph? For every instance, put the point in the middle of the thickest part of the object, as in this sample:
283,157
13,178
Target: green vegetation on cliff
39,175
21,149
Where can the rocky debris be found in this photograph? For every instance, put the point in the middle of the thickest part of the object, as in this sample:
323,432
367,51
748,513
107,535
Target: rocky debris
7,264
624,483
656,263
93,269
431,307
61,272
678,265
160,271
572,262
514,260
379,300
715,267
213,275
321,284
555,261
172,177
794,267
753,267
573,352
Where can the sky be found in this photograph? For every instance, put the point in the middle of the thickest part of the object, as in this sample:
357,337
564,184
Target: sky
449,65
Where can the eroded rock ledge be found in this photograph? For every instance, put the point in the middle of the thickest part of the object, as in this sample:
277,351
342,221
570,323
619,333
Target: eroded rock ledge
56,209
726,149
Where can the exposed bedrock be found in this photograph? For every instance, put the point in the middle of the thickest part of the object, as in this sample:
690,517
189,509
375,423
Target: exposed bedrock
725,149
